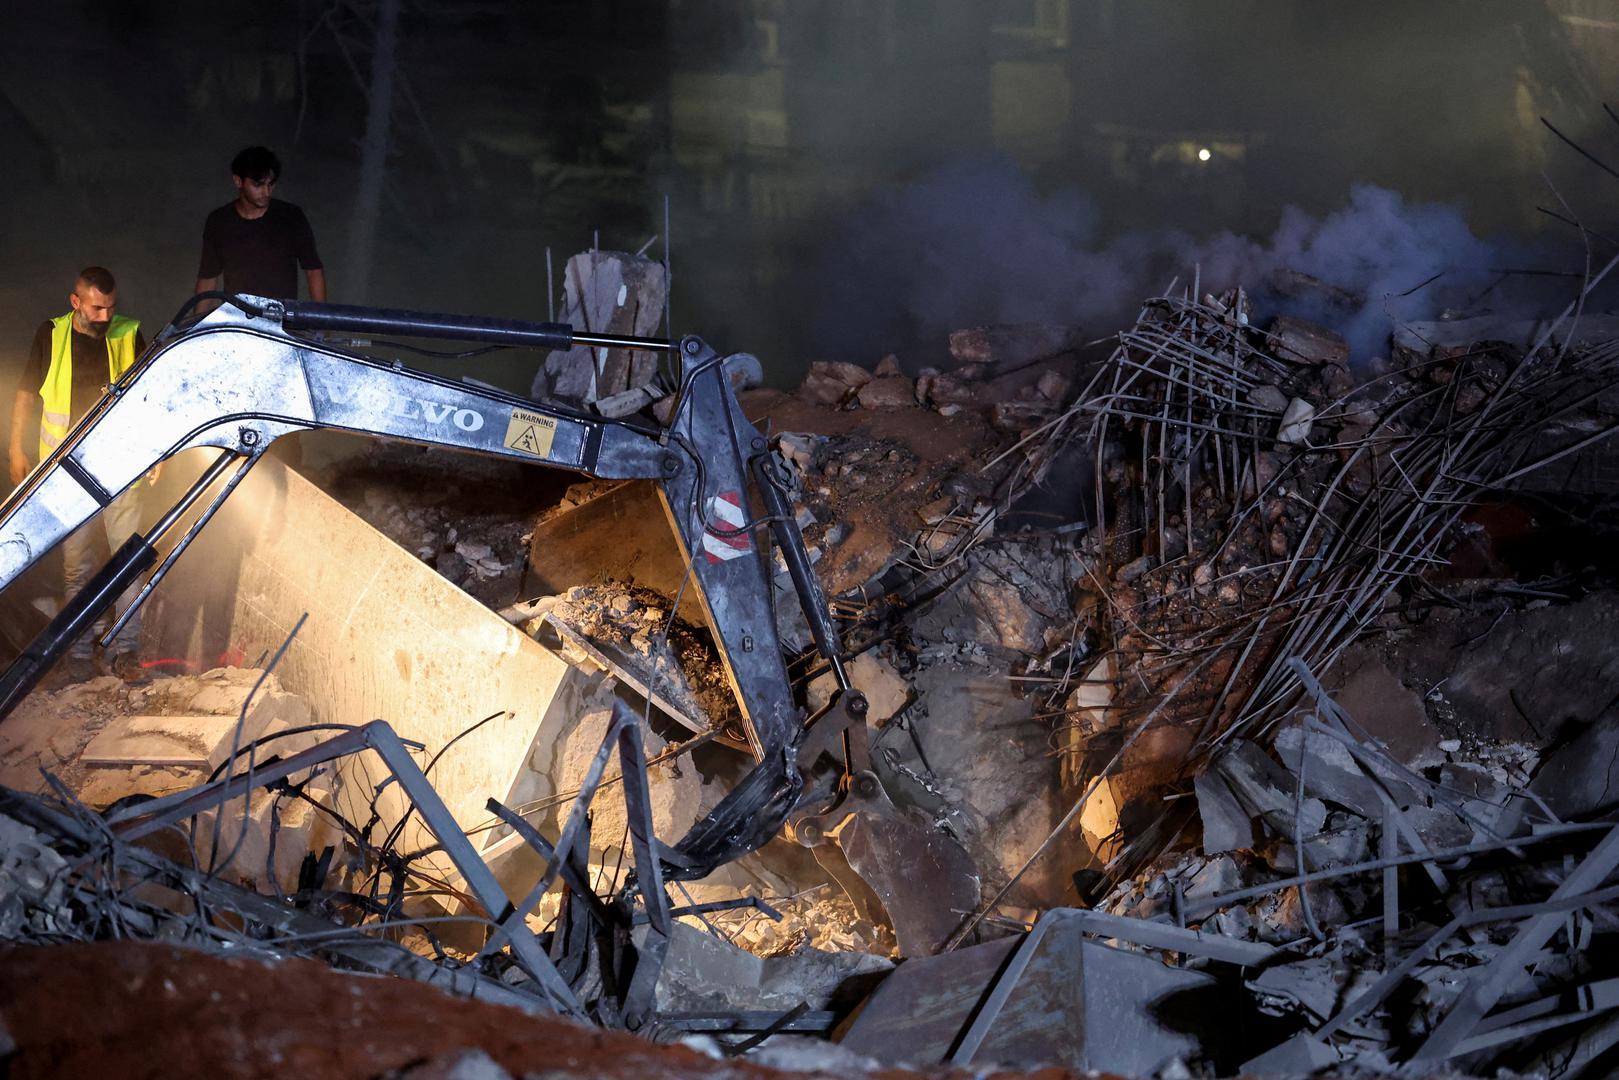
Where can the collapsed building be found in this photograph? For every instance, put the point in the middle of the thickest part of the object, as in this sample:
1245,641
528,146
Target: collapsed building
1228,707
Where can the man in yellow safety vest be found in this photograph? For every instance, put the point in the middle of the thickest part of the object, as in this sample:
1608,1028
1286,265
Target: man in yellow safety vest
75,357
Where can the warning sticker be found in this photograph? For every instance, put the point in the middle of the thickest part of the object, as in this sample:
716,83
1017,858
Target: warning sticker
724,537
530,433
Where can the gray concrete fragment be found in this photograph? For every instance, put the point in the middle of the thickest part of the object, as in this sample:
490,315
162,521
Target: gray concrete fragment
702,973
1582,776
629,401
1296,421
1306,342
1331,772
1226,825
1308,984
1214,878
1076,1003
1268,397
1299,1056
190,742
873,675
675,787
1267,791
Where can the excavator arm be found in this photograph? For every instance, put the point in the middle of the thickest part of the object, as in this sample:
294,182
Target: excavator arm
244,376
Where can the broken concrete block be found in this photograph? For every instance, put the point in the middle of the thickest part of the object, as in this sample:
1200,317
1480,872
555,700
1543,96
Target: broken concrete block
1215,877
870,673
1305,342
189,742
1012,345
702,973
627,403
830,382
942,390
1076,1003
1268,397
888,365
1226,825
1296,421
1308,984
1578,778
889,392
605,292
1266,790
799,449
33,879
272,836
675,787
1332,773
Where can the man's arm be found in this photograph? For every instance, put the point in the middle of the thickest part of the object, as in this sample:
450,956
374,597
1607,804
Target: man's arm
210,264
308,257
24,418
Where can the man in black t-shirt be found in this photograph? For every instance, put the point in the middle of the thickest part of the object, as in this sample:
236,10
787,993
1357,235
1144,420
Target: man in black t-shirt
256,243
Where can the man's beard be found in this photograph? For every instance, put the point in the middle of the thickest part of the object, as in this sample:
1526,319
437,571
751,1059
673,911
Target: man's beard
96,329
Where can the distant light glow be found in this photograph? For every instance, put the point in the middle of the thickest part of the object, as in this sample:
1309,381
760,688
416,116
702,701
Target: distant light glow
1204,154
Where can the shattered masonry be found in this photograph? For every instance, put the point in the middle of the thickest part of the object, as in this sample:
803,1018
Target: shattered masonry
1243,674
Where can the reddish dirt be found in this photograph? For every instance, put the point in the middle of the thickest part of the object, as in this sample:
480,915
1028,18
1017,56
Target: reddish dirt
958,439
901,455
139,1009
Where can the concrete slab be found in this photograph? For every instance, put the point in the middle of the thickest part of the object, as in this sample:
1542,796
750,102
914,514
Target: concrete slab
191,742
1077,1003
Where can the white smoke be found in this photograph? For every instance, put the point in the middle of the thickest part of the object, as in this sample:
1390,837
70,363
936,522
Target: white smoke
975,242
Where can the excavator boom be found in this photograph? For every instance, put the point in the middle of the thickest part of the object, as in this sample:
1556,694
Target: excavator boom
243,377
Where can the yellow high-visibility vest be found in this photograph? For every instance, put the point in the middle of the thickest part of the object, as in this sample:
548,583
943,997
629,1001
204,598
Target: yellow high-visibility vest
57,393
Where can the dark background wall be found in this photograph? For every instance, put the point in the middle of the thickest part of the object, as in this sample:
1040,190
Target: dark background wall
772,128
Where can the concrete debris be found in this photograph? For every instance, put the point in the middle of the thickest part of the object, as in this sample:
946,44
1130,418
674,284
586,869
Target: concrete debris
1296,421
1272,739
1226,825
832,382
676,789
1305,342
705,974
1578,779
1051,997
887,392
1012,345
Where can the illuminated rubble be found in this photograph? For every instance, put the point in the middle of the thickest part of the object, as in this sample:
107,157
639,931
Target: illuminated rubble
1209,645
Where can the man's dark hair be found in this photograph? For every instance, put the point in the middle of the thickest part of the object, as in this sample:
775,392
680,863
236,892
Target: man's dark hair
98,277
256,163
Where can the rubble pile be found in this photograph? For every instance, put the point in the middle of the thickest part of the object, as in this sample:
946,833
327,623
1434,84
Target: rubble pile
1259,502
1266,756
635,633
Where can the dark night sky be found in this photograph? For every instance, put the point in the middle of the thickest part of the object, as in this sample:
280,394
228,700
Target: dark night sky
902,151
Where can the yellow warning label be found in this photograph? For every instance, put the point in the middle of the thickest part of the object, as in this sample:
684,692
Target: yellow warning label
530,433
